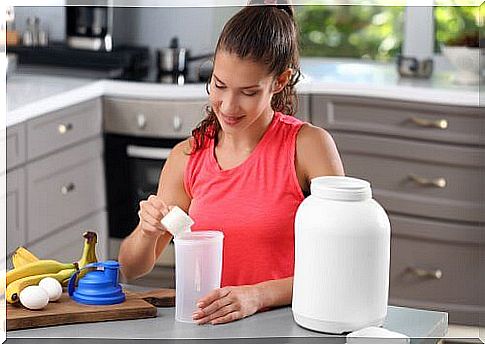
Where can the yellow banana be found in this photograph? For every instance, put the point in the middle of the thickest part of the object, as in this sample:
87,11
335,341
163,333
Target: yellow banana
89,250
14,288
22,256
37,268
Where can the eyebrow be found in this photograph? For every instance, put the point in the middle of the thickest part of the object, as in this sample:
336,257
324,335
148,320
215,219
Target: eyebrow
222,82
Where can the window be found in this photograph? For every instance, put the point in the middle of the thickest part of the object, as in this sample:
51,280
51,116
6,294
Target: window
370,32
453,24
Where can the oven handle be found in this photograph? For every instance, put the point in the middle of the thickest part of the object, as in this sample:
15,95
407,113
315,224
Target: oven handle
147,152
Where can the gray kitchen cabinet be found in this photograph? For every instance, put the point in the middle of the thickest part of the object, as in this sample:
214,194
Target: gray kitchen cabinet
66,244
425,164
15,198
16,145
55,179
59,129
64,187
303,111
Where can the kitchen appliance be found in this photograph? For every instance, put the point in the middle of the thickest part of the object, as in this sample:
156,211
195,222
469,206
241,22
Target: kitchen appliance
414,67
97,287
342,256
173,63
89,28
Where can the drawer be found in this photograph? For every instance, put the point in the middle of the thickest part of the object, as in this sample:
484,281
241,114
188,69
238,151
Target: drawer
64,187
155,118
416,265
421,228
431,180
412,120
59,129
16,213
16,145
303,112
66,245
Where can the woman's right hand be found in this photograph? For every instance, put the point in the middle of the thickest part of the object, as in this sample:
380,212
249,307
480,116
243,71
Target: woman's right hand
152,210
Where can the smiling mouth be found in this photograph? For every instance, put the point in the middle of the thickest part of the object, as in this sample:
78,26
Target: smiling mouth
231,119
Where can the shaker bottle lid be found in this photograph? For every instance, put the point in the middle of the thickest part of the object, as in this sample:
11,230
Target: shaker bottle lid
177,221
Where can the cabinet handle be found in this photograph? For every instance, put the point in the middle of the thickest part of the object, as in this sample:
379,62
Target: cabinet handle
427,123
141,121
65,189
435,274
177,123
439,182
64,128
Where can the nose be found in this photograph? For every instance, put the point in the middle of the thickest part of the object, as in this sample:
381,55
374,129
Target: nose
229,104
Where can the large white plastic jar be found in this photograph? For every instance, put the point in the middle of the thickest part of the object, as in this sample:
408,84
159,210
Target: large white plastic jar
342,255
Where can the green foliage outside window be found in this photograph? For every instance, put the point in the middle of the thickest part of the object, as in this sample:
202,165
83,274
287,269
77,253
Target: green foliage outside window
370,32
453,22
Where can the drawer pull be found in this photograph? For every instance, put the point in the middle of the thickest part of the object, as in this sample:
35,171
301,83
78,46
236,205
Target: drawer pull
435,274
141,121
64,128
65,189
427,123
177,123
439,182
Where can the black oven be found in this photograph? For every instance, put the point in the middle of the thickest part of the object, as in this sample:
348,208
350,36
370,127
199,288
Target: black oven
132,166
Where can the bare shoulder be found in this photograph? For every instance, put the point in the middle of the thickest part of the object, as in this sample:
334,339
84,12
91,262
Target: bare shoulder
316,152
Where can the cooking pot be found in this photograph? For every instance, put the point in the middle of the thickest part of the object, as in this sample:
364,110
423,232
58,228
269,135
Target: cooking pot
174,59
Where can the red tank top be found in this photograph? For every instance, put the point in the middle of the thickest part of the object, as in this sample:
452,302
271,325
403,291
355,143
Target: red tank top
253,204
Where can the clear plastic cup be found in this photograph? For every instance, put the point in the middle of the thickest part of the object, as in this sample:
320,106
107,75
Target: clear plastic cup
198,267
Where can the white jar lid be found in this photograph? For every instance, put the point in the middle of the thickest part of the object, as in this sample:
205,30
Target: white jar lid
340,188
177,221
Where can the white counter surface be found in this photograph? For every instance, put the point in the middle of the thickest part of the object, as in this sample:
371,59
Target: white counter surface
31,95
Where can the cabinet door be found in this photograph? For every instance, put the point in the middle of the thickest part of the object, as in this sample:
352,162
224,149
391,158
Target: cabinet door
66,245
64,188
16,145
15,198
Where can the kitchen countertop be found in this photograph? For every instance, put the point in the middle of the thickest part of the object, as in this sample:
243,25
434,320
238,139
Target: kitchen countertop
31,95
272,326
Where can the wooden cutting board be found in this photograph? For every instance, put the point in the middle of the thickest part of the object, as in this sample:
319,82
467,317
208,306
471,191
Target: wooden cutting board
138,305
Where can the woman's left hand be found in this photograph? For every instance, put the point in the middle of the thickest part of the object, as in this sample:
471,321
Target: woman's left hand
227,304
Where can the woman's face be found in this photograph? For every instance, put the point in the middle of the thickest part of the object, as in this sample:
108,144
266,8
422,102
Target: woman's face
240,91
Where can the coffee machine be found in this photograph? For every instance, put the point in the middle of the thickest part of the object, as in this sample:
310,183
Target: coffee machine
89,28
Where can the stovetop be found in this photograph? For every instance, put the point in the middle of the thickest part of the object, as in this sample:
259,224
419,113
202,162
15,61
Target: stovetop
123,63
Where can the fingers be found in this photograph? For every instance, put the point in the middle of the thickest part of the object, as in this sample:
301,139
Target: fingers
214,295
229,312
151,212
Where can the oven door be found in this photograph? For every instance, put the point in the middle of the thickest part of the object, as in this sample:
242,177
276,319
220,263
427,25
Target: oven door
132,167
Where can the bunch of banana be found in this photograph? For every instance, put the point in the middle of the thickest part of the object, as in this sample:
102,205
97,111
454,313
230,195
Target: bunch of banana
22,256
29,270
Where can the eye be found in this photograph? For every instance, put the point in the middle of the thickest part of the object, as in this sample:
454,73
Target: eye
219,86
250,94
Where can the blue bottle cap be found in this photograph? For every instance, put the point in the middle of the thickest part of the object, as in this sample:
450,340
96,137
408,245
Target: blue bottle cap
98,287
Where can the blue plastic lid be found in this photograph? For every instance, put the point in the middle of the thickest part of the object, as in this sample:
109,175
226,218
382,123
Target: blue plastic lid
98,287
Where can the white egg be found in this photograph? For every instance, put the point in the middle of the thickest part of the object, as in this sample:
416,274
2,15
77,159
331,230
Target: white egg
52,287
34,297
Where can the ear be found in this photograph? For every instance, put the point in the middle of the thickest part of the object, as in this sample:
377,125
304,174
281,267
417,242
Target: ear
282,80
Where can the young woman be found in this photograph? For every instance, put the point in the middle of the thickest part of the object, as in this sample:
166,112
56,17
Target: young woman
244,171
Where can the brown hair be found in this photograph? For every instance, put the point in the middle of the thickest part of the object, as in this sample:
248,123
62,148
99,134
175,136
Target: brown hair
266,34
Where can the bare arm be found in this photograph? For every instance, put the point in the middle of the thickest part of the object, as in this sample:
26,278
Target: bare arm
140,250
